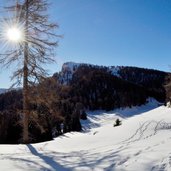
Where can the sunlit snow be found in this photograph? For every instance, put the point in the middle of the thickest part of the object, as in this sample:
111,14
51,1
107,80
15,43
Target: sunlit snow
141,143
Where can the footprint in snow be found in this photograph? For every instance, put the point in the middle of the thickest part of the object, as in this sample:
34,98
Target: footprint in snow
138,153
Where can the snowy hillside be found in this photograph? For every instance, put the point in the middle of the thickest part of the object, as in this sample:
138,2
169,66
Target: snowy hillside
142,142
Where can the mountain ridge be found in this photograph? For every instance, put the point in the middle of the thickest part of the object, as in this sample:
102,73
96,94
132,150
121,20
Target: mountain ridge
69,68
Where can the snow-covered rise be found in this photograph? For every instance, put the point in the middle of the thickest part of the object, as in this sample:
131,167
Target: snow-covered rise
121,113
141,143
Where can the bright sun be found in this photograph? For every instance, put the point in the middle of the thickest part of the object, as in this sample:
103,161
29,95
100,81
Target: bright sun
14,35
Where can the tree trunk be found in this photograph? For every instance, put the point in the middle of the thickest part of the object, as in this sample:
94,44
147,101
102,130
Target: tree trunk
25,83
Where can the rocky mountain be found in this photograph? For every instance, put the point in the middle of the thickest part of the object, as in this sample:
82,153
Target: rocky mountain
152,81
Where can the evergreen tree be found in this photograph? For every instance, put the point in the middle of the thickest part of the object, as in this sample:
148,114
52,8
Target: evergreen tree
117,123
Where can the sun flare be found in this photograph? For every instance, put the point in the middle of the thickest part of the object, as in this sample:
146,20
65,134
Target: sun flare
14,34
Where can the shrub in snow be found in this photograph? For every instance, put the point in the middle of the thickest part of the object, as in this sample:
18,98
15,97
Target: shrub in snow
117,122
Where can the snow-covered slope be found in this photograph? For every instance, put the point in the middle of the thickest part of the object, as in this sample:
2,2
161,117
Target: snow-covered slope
141,143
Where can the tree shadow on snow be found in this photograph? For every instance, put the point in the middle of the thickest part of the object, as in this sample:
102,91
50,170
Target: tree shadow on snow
48,160
27,162
107,160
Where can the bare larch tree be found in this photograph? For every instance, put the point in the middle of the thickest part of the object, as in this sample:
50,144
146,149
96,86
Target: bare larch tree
168,90
34,50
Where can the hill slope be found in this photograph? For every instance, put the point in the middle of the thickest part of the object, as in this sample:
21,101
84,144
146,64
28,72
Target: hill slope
142,141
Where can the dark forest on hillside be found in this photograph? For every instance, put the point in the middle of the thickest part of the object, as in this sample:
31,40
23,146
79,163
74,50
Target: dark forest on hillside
57,108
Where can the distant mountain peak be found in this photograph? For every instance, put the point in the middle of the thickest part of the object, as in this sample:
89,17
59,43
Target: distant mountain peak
3,90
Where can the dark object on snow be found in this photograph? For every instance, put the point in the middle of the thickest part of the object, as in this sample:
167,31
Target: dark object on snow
117,123
83,115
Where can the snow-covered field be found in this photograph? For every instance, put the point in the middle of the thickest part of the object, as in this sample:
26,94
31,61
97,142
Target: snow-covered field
141,143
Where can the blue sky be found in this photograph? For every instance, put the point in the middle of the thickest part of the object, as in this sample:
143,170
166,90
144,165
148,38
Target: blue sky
111,32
